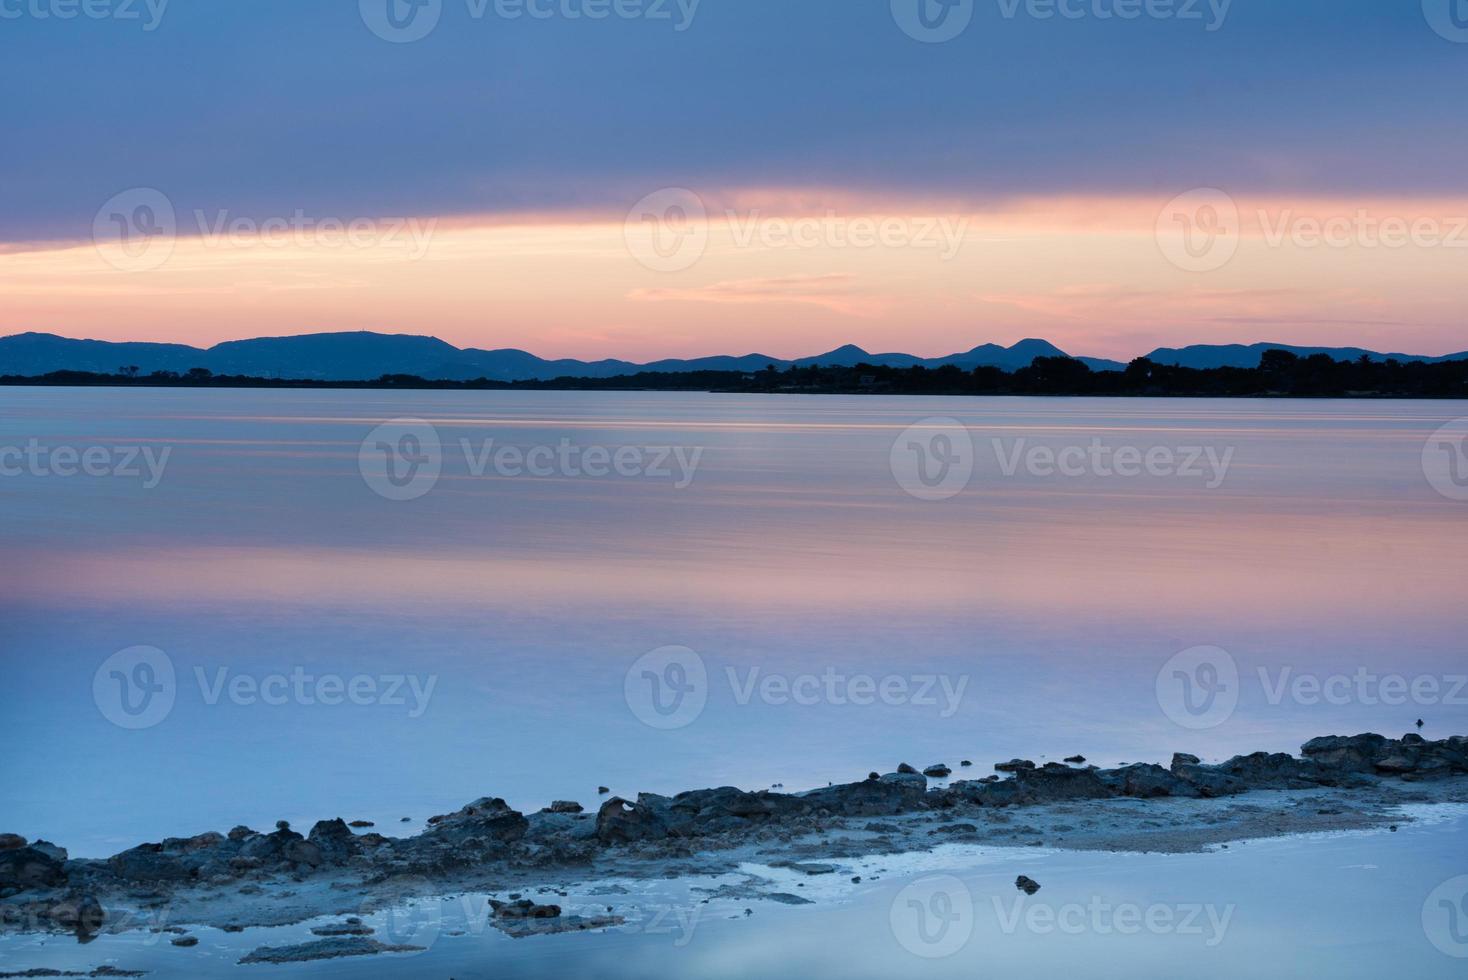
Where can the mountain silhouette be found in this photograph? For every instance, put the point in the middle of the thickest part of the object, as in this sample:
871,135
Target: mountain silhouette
365,356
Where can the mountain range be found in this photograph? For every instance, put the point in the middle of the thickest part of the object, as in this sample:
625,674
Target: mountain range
364,356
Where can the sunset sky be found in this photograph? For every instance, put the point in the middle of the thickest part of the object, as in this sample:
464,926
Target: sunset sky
857,184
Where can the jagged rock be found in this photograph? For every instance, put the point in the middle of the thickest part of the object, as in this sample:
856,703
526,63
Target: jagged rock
153,862
361,824
891,794
966,764
80,913
564,806
28,867
1355,753
938,771
1014,765
1147,781
1076,760
185,941
10,842
1058,782
1209,781
620,821
489,818
907,770
1027,884
1180,759
241,833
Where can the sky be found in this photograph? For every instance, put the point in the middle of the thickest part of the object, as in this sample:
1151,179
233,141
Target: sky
649,178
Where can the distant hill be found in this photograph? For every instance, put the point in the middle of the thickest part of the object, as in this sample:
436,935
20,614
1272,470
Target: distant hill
1242,356
365,356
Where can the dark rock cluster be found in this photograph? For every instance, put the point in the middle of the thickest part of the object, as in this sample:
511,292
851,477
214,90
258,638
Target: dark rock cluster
41,888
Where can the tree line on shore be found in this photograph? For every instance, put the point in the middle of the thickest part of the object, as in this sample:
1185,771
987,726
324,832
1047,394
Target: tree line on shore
1279,374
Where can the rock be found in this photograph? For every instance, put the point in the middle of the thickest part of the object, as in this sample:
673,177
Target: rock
524,909
240,833
564,806
153,862
907,770
939,771
325,949
185,941
361,824
602,791
282,825
621,822
891,794
486,818
50,850
29,867
80,913
882,828
1354,753
1014,765
1180,759
966,764
1027,885
11,842
1076,760
1419,723
1147,781
874,776
1053,782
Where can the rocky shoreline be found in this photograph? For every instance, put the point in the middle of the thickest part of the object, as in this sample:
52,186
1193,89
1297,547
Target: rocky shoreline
247,878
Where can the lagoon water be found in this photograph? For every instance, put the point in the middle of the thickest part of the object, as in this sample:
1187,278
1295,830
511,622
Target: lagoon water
495,628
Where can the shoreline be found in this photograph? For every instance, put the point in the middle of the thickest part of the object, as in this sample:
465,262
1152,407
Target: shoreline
247,879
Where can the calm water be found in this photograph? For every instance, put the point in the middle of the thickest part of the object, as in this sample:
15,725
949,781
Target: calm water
1029,614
